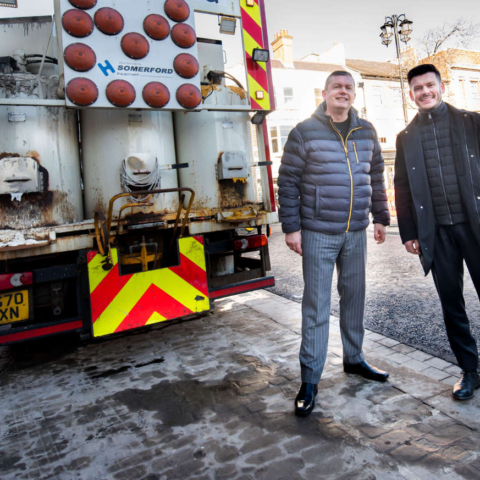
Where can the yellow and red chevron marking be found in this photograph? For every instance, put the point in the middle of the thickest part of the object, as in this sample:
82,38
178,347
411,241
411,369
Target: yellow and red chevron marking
123,302
253,38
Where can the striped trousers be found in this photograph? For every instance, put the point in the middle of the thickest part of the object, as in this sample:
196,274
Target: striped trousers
321,252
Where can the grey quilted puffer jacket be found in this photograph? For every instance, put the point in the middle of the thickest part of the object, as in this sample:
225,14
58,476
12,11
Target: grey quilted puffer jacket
327,185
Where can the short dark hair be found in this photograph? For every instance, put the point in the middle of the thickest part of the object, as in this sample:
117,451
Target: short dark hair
422,70
339,73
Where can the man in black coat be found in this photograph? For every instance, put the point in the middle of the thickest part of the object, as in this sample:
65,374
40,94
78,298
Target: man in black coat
437,191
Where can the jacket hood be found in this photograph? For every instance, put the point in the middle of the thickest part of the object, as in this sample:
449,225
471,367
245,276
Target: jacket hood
320,114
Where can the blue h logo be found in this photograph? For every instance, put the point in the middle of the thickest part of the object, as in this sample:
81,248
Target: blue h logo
105,68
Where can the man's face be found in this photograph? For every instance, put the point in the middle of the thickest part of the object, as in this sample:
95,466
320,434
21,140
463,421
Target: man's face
340,93
426,91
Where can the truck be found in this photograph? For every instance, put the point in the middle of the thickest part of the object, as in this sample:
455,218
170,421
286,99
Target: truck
135,175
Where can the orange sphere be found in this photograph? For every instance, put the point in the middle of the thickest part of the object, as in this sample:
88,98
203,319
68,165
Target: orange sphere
135,46
177,10
156,94
156,27
183,35
83,4
77,23
120,93
80,57
189,96
82,91
109,21
186,65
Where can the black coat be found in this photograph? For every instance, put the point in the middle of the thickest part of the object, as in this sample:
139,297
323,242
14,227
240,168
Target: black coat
416,217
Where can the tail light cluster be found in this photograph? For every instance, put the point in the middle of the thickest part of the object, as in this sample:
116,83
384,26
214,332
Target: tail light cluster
253,241
88,16
13,280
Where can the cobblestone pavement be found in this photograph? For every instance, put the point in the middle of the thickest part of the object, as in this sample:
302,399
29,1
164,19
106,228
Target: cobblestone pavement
401,302
213,399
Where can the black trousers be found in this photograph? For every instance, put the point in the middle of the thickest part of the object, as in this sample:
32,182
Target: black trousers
453,245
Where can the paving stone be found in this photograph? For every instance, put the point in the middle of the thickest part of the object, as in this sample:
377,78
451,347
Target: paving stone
435,373
453,370
284,469
409,453
374,336
399,358
416,365
438,363
402,348
264,456
450,381
260,442
388,342
420,356
391,440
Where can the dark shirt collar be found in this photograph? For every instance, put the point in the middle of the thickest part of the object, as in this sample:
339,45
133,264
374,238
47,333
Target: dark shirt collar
436,114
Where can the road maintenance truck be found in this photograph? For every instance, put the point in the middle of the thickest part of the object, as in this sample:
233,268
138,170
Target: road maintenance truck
135,178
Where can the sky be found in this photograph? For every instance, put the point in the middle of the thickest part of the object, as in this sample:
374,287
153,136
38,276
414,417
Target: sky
317,24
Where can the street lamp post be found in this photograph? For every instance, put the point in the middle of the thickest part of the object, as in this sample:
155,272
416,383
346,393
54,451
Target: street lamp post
401,28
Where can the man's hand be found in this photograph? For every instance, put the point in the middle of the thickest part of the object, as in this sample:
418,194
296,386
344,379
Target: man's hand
294,241
412,246
379,233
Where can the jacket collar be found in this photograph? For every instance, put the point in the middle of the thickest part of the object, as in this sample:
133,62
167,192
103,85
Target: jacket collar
455,112
321,115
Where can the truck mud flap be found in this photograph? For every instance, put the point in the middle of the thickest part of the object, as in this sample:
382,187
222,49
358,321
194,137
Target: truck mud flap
242,287
126,302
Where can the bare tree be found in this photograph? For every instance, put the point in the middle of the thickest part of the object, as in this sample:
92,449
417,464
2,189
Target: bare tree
462,32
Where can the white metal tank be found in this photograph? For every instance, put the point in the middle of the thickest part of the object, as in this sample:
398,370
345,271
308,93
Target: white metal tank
49,136
143,142
206,140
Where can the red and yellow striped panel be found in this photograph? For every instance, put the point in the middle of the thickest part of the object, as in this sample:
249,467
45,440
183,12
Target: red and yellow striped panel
123,302
253,38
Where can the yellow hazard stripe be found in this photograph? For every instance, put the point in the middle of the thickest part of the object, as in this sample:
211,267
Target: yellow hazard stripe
95,271
254,86
132,292
155,318
250,44
193,250
253,12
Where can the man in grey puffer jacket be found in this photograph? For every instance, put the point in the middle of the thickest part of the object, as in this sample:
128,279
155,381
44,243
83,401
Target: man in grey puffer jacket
330,179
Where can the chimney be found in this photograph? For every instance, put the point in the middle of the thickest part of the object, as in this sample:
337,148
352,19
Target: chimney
283,47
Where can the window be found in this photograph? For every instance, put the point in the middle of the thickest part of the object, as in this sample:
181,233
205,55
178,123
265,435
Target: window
474,85
397,97
377,96
8,3
383,139
273,136
318,96
279,136
284,131
288,96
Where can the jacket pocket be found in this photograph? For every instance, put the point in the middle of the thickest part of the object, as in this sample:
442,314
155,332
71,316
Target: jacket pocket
318,202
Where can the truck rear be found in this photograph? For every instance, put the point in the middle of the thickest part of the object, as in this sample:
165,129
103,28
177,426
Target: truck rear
135,178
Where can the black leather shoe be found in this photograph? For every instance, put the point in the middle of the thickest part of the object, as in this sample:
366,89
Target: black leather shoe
463,389
305,401
366,371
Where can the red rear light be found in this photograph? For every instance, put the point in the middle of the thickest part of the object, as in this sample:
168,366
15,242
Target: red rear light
77,23
83,4
109,21
13,280
177,10
255,241
80,57
156,94
156,27
189,96
82,92
135,46
186,65
120,93
183,35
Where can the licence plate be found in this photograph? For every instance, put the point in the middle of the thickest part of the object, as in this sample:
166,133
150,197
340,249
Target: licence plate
14,306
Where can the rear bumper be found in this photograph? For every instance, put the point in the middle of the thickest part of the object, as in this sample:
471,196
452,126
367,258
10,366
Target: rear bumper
14,335
242,287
